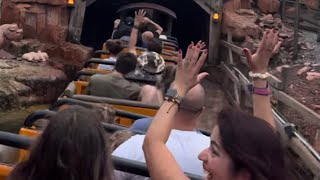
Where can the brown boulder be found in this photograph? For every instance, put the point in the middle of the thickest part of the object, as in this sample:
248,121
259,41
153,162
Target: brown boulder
269,6
9,13
75,54
241,26
53,34
51,2
237,4
23,1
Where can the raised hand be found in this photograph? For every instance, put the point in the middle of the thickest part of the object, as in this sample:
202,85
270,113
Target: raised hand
116,23
258,63
187,72
139,17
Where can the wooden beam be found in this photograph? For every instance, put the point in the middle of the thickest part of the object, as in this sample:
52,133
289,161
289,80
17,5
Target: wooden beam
76,21
306,112
230,74
202,4
215,32
234,48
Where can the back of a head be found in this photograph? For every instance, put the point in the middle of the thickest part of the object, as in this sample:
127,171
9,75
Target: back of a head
154,45
190,110
126,63
72,146
195,97
252,145
114,46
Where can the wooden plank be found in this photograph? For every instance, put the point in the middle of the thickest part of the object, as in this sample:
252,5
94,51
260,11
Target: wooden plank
232,100
306,112
307,158
76,21
230,74
235,86
234,48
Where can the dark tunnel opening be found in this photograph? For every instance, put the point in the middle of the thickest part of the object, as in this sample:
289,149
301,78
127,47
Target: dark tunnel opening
192,23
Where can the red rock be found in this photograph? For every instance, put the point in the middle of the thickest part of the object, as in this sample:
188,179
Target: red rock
241,26
313,4
53,34
230,6
312,76
52,2
75,54
53,16
234,5
9,14
23,1
269,6
268,17
246,12
245,4
315,106
303,70
291,11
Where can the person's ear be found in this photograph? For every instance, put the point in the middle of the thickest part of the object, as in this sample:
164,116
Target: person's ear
243,174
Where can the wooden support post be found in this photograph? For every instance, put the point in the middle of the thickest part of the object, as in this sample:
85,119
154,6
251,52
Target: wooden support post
215,31
283,9
284,88
296,30
76,21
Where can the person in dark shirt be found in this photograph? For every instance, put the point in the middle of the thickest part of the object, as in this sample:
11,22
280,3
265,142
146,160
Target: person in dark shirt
122,28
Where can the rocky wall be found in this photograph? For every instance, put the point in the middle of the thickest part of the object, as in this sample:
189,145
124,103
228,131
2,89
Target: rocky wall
46,20
45,27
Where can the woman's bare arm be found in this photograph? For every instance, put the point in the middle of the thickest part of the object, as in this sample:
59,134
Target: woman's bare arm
161,163
134,33
258,63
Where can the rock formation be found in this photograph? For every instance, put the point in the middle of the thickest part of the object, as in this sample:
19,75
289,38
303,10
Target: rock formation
23,83
9,32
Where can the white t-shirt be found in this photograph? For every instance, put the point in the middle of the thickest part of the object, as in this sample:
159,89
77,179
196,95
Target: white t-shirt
184,145
108,67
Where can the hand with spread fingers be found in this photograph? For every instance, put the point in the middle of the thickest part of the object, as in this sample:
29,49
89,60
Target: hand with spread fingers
187,72
139,17
258,63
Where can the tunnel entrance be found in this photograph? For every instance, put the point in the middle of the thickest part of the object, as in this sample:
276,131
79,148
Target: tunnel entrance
192,23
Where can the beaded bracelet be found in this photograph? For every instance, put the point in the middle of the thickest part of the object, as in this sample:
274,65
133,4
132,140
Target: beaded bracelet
259,75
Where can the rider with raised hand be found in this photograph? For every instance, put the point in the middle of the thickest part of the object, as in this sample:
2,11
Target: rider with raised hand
138,20
242,147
